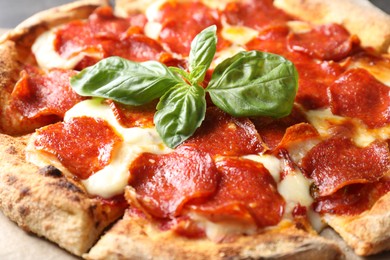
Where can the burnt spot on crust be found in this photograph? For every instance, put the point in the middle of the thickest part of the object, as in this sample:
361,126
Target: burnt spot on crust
11,150
25,191
23,211
68,186
11,179
50,170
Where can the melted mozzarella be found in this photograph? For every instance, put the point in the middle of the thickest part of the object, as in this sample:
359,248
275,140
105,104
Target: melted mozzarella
295,188
323,120
47,57
270,162
239,35
218,231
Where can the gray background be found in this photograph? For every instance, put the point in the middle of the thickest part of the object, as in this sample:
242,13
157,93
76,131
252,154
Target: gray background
13,12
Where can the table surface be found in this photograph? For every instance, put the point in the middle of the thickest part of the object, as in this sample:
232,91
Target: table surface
21,245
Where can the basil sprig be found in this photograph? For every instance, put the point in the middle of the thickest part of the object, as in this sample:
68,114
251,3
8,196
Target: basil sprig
248,84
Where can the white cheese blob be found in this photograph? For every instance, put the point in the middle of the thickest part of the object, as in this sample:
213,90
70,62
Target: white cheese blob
270,162
47,57
295,188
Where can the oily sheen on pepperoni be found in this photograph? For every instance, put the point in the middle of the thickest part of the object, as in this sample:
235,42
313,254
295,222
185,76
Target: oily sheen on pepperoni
178,34
83,145
338,162
272,130
223,134
104,35
358,94
315,76
352,199
39,94
134,116
164,183
314,79
255,14
325,42
246,192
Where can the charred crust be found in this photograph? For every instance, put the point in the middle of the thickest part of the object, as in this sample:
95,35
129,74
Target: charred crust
68,186
23,211
11,179
11,150
25,191
50,170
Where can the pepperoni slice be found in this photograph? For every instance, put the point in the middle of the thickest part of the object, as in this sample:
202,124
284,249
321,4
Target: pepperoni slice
255,14
358,94
352,199
39,94
194,17
223,134
314,80
314,76
246,192
164,183
325,42
337,162
104,35
272,39
83,145
134,116
272,130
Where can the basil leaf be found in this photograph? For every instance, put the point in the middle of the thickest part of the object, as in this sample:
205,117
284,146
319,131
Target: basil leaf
254,84
125,81
202,52
179,113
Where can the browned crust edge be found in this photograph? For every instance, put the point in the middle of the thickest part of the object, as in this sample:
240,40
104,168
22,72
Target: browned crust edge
135,238
44,202
15,50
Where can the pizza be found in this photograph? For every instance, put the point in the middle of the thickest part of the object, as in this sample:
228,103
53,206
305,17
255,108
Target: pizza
167,129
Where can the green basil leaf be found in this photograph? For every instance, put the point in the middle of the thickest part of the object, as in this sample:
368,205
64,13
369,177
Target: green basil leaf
125,81
179,113
202,52
254,84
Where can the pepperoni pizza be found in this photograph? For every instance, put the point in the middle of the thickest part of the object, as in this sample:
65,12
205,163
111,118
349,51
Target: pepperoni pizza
199,129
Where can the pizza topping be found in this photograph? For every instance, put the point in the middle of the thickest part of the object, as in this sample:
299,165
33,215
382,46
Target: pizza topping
165,183
194,17
134,116
247,84
83,145
337,162
314,80
255,14
358,94
352,199
246,193
325,42
104,35
39,94
272,130
222,134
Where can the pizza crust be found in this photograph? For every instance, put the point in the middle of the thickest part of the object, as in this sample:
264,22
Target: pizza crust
368,233
360,17
15,50
44,202
135,238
